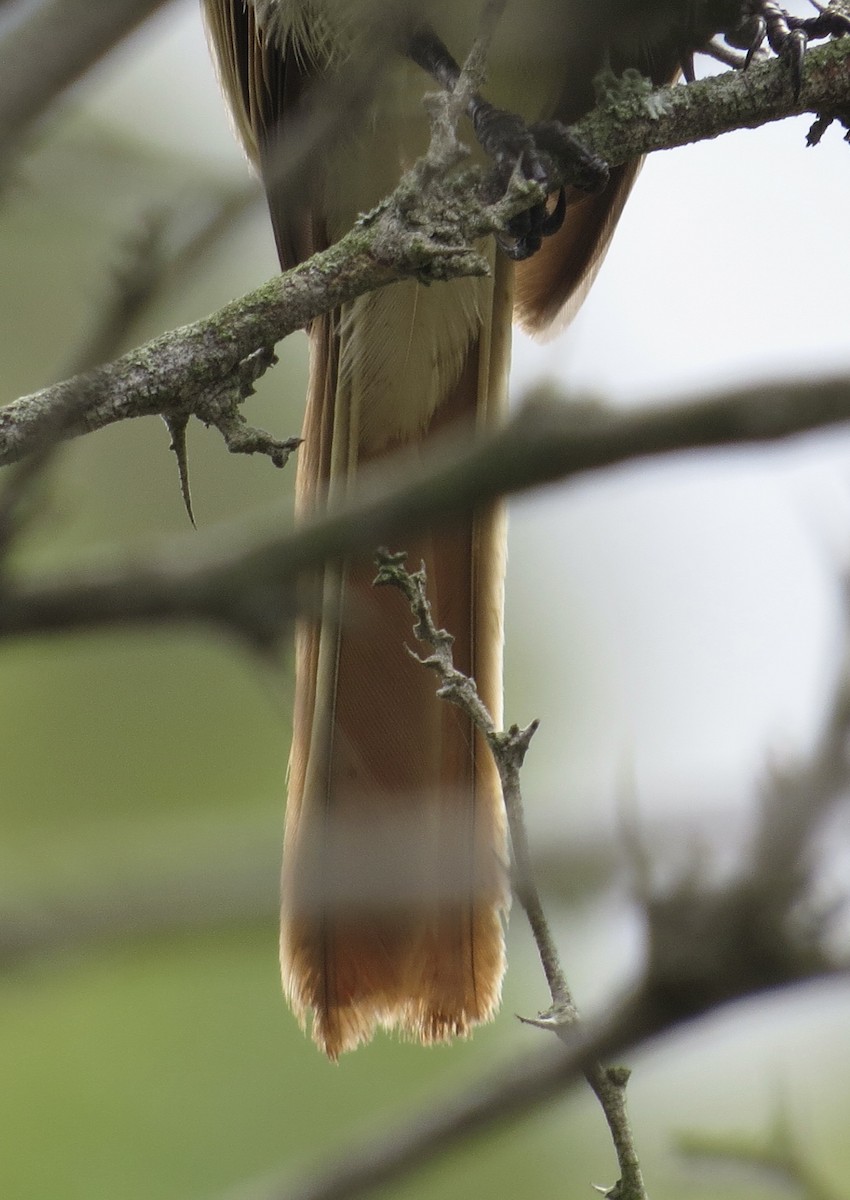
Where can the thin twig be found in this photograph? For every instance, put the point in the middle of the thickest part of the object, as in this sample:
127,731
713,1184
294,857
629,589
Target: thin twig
509,749
707,949
512,1091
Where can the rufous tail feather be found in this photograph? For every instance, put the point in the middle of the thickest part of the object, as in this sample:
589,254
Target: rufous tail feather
394,875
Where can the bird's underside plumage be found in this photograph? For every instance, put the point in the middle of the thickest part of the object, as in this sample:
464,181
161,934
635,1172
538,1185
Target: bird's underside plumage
394,876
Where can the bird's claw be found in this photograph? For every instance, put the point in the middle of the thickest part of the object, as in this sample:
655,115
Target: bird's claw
536,151
787,35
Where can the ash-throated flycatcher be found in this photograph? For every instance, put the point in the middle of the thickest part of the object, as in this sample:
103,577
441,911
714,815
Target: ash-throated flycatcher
394,875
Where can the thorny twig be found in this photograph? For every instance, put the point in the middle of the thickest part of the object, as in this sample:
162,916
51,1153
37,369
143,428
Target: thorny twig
509,749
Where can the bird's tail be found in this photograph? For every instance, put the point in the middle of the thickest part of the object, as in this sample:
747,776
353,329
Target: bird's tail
394,872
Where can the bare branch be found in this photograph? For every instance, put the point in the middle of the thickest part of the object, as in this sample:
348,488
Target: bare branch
512,1092
509,750
248,584
237,881
708,946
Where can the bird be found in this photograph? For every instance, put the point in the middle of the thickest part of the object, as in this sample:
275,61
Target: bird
395,879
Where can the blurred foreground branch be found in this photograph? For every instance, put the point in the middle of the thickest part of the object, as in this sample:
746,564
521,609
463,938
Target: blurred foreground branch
247,584
708,945
236,881
49,49
234,885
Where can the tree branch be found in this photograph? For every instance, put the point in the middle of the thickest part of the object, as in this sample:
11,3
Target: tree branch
513,1091
631,119
247,584
421,233
230,886
509,749
707,946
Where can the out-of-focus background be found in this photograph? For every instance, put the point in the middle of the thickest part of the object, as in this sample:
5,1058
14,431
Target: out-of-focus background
677,626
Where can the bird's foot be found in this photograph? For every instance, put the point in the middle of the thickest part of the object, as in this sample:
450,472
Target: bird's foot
786,35
542,152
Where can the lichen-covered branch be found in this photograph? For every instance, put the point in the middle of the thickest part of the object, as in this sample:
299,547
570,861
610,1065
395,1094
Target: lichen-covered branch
630,119
179,369
426,233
